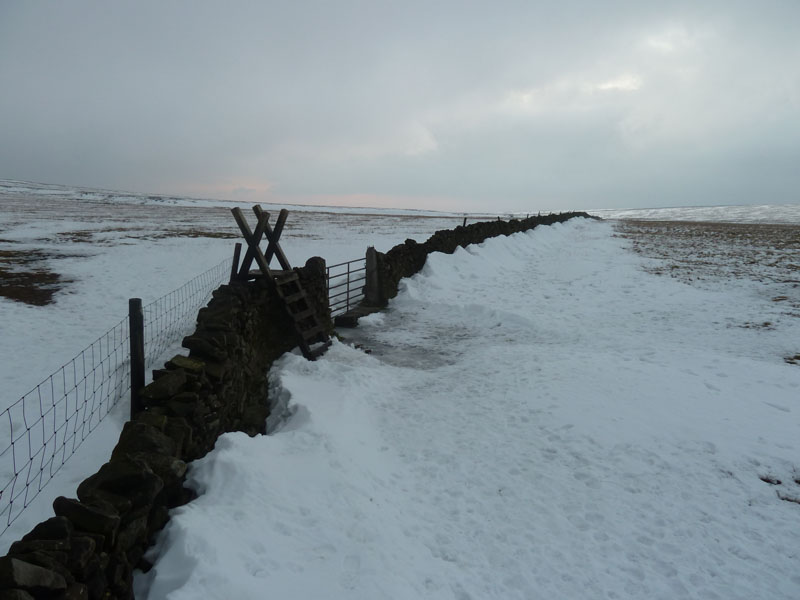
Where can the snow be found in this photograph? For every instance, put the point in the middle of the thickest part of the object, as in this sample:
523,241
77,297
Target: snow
110,247
761,213
539,417
111,252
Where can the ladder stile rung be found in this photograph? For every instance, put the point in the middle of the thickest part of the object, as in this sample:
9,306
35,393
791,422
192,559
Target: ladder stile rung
283,277
292,298
313,331
303,314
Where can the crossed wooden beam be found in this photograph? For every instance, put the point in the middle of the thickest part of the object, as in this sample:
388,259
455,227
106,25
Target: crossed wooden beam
253,239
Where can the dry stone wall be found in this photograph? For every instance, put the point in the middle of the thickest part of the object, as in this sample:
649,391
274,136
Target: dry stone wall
89,549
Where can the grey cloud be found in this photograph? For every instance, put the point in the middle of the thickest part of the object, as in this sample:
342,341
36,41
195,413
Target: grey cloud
407,100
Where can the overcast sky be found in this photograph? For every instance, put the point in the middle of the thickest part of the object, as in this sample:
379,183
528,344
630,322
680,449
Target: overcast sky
458,105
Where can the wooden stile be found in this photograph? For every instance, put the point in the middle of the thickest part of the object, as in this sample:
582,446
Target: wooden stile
287,283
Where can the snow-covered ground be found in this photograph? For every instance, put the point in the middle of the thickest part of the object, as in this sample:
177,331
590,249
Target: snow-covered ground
108,250
754,213
540,416
109,247
443,464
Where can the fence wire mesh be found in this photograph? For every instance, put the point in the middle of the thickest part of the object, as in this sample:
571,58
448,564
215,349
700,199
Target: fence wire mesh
43,429
167,318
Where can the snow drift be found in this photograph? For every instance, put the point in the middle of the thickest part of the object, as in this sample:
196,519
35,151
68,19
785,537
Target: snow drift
538,418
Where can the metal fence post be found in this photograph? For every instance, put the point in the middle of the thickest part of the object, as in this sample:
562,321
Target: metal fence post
136,322
328,285
347,297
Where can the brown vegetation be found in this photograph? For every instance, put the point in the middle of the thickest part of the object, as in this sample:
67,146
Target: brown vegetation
24,277
708,252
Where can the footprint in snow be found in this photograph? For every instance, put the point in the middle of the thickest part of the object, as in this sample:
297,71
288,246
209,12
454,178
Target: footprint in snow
351,565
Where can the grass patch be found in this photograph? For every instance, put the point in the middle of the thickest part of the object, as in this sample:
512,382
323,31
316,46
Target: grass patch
137,233
82,236
202,233
25,278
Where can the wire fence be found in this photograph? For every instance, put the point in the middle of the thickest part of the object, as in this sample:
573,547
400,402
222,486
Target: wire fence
43,429
346,285
166,319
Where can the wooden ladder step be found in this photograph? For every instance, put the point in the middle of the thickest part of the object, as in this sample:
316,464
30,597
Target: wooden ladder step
291,298
303,314
312,332
288,290
283,278
319,351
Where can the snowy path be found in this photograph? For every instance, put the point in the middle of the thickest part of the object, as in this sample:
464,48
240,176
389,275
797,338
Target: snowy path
539,419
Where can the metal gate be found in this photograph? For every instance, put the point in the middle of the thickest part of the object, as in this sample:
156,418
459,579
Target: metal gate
346,285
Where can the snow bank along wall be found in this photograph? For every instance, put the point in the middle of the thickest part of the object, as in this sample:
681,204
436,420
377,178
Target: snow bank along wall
90,548
404,260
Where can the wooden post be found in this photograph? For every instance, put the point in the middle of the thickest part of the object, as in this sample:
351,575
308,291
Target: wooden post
284,262
136,324
273,247
252,243
372,284
235,267
464,224
253,238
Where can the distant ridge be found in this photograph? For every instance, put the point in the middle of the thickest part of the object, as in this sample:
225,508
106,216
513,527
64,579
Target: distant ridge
12,186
